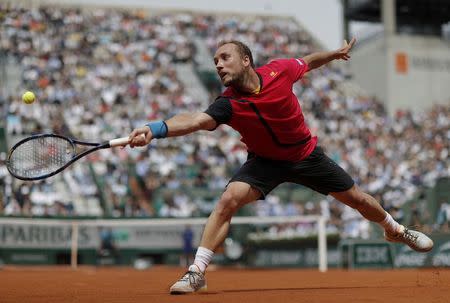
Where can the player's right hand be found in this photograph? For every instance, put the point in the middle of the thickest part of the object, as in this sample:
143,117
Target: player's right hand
140,136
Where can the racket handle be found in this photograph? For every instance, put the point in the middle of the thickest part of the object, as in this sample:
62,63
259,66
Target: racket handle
120,141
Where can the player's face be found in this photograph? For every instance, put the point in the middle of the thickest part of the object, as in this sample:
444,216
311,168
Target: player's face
230,65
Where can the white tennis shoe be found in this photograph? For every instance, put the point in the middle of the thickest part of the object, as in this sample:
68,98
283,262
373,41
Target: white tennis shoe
414,239
193,280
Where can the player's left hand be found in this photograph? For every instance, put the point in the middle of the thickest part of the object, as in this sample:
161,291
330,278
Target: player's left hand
343,52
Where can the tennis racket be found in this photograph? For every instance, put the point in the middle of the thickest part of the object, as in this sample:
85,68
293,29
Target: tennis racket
44,155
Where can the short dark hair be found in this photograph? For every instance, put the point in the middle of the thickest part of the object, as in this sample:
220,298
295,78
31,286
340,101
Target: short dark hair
243,49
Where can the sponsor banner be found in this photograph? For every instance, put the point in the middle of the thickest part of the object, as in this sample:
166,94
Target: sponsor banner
406,257
438,257
442,255
372,255
301,257
155,237
362,254
44,236
365,254
60,236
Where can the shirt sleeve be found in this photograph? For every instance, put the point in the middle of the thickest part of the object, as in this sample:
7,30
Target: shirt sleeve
295,67
220,110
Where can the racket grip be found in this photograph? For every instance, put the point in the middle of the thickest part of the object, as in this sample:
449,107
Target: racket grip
121,141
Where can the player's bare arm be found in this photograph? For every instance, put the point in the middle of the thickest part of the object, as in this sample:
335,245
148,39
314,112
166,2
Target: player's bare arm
318,59
183,124
178,125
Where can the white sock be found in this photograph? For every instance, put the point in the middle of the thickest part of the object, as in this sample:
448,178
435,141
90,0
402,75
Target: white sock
202,258
390,225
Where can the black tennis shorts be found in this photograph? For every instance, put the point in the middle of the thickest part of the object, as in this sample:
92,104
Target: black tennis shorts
317,172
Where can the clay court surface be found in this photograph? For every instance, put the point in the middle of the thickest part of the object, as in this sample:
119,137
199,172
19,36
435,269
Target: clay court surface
115,284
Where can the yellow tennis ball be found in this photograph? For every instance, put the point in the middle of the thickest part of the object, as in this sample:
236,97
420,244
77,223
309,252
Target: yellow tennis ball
28,97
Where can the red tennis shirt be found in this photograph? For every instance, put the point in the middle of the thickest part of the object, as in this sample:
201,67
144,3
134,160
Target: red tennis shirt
270,122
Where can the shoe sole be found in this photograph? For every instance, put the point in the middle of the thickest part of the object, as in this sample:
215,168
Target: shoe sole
422,250
180,292
415,249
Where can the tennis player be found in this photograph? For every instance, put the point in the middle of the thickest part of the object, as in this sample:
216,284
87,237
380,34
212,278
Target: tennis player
260,105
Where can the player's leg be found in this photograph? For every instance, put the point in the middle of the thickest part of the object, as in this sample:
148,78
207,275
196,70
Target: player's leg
256,178
236,195
367,206
322,174
216,229
370,209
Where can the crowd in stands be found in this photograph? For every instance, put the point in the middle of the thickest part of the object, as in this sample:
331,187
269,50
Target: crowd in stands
100,73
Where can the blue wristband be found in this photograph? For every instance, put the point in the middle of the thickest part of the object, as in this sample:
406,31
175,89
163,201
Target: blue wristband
159,129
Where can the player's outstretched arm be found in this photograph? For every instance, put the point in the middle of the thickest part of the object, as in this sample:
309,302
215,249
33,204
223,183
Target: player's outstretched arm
318,59
178,125
183,124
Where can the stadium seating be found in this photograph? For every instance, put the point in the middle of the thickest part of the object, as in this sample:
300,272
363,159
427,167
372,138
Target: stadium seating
100,73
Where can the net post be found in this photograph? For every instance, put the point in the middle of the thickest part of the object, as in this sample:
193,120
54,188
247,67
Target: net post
74,246
322,243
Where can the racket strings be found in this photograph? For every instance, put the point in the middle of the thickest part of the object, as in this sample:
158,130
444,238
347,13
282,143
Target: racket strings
40,156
